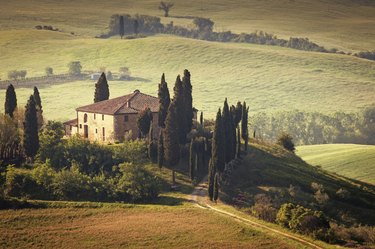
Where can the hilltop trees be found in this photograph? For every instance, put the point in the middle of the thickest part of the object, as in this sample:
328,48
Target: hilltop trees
164,6
101,89
121,27
171,138
31,137
164,101
10,101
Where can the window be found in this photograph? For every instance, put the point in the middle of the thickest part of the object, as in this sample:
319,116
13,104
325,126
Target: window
96,130
85,118
94,115
126,118
102,116
103,134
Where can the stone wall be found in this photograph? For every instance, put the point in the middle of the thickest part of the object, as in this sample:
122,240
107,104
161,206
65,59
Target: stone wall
96,123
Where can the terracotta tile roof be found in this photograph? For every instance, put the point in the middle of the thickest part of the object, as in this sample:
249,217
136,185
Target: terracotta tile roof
73,122
131,103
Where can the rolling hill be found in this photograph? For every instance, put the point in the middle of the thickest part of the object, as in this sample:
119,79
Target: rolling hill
268,78
350,160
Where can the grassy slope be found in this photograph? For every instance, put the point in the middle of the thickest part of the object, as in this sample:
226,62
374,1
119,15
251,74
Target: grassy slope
345,24
350,160
268,168
269,78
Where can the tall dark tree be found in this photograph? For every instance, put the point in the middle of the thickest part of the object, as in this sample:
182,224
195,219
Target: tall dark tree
188,100
152,149
201,120
10,101
178,98
38,105
144,121
121,27
216,188
211,179
244,122
30,137
160,150
164,101
218,145
171,140
227,125
192,159
238,142
101,89
237,114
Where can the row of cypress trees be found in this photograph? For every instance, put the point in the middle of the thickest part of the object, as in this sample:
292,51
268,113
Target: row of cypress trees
226,142
33,119
175,119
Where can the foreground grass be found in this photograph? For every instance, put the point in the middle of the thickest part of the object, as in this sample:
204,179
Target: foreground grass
268,78
350,23
350,160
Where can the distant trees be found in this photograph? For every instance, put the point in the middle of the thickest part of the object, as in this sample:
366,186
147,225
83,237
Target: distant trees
10,101
75,68
124,73
17,74
121,27
101,89
31,137
164,6
164,101
286,141
49,71
203,24
144,121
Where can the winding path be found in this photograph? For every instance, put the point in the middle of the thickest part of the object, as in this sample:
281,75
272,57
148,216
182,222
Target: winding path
198,197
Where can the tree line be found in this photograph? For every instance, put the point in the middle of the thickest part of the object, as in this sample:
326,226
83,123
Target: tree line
317,128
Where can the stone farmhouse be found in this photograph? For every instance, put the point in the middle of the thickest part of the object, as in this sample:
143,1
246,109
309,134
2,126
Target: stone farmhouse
113,119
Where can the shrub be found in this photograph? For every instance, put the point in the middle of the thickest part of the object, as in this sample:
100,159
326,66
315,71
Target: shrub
49,71
286,141
20,183
263,208
137,184
132,151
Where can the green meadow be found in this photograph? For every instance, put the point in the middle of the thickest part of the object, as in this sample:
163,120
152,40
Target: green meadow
268,78
350,160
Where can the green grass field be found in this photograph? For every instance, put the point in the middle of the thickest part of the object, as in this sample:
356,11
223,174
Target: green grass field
350,160
344,24
268,78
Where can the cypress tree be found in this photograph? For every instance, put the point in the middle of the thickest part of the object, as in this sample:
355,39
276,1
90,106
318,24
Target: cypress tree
178,98
216,188
211,178
164,101
218,145
38,105
238,113
171,141
30,137
152,153
10,101
160,150
192,157
101,89
144,121
201,120
238,142
121,27
244,122
188,101
227,125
